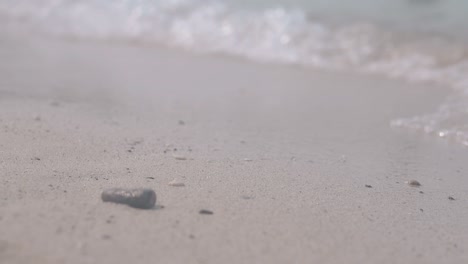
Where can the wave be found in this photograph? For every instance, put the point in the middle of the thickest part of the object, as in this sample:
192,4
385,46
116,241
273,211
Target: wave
278,35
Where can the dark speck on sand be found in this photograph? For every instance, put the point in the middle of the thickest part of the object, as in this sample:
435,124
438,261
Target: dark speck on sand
414,183
205,212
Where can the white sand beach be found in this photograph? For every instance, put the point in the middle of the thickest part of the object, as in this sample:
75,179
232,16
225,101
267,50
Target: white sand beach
281,155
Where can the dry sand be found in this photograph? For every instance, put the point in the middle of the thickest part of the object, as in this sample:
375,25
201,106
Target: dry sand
280,155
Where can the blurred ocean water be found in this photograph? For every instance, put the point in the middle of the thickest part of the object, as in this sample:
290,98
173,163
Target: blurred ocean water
414,40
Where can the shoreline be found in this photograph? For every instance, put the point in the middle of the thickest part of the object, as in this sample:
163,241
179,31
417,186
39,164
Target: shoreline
281,157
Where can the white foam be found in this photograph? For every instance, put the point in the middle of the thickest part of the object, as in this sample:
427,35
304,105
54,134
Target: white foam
449,121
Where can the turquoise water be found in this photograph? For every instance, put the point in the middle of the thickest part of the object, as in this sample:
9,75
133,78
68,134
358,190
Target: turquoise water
422,41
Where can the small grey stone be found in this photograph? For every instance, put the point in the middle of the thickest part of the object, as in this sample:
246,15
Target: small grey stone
205,212
178,157
137,198
414,183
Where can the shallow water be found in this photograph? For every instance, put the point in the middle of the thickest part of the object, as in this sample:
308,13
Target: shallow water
414,40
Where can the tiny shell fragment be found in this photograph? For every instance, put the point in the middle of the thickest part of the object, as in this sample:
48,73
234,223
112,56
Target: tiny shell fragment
176,183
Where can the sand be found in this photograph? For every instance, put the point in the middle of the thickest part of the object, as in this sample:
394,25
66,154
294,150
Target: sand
280,155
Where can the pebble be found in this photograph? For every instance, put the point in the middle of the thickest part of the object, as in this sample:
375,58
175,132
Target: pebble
176,183
451,198
177,157
205,212
138,198
413,183
368,186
